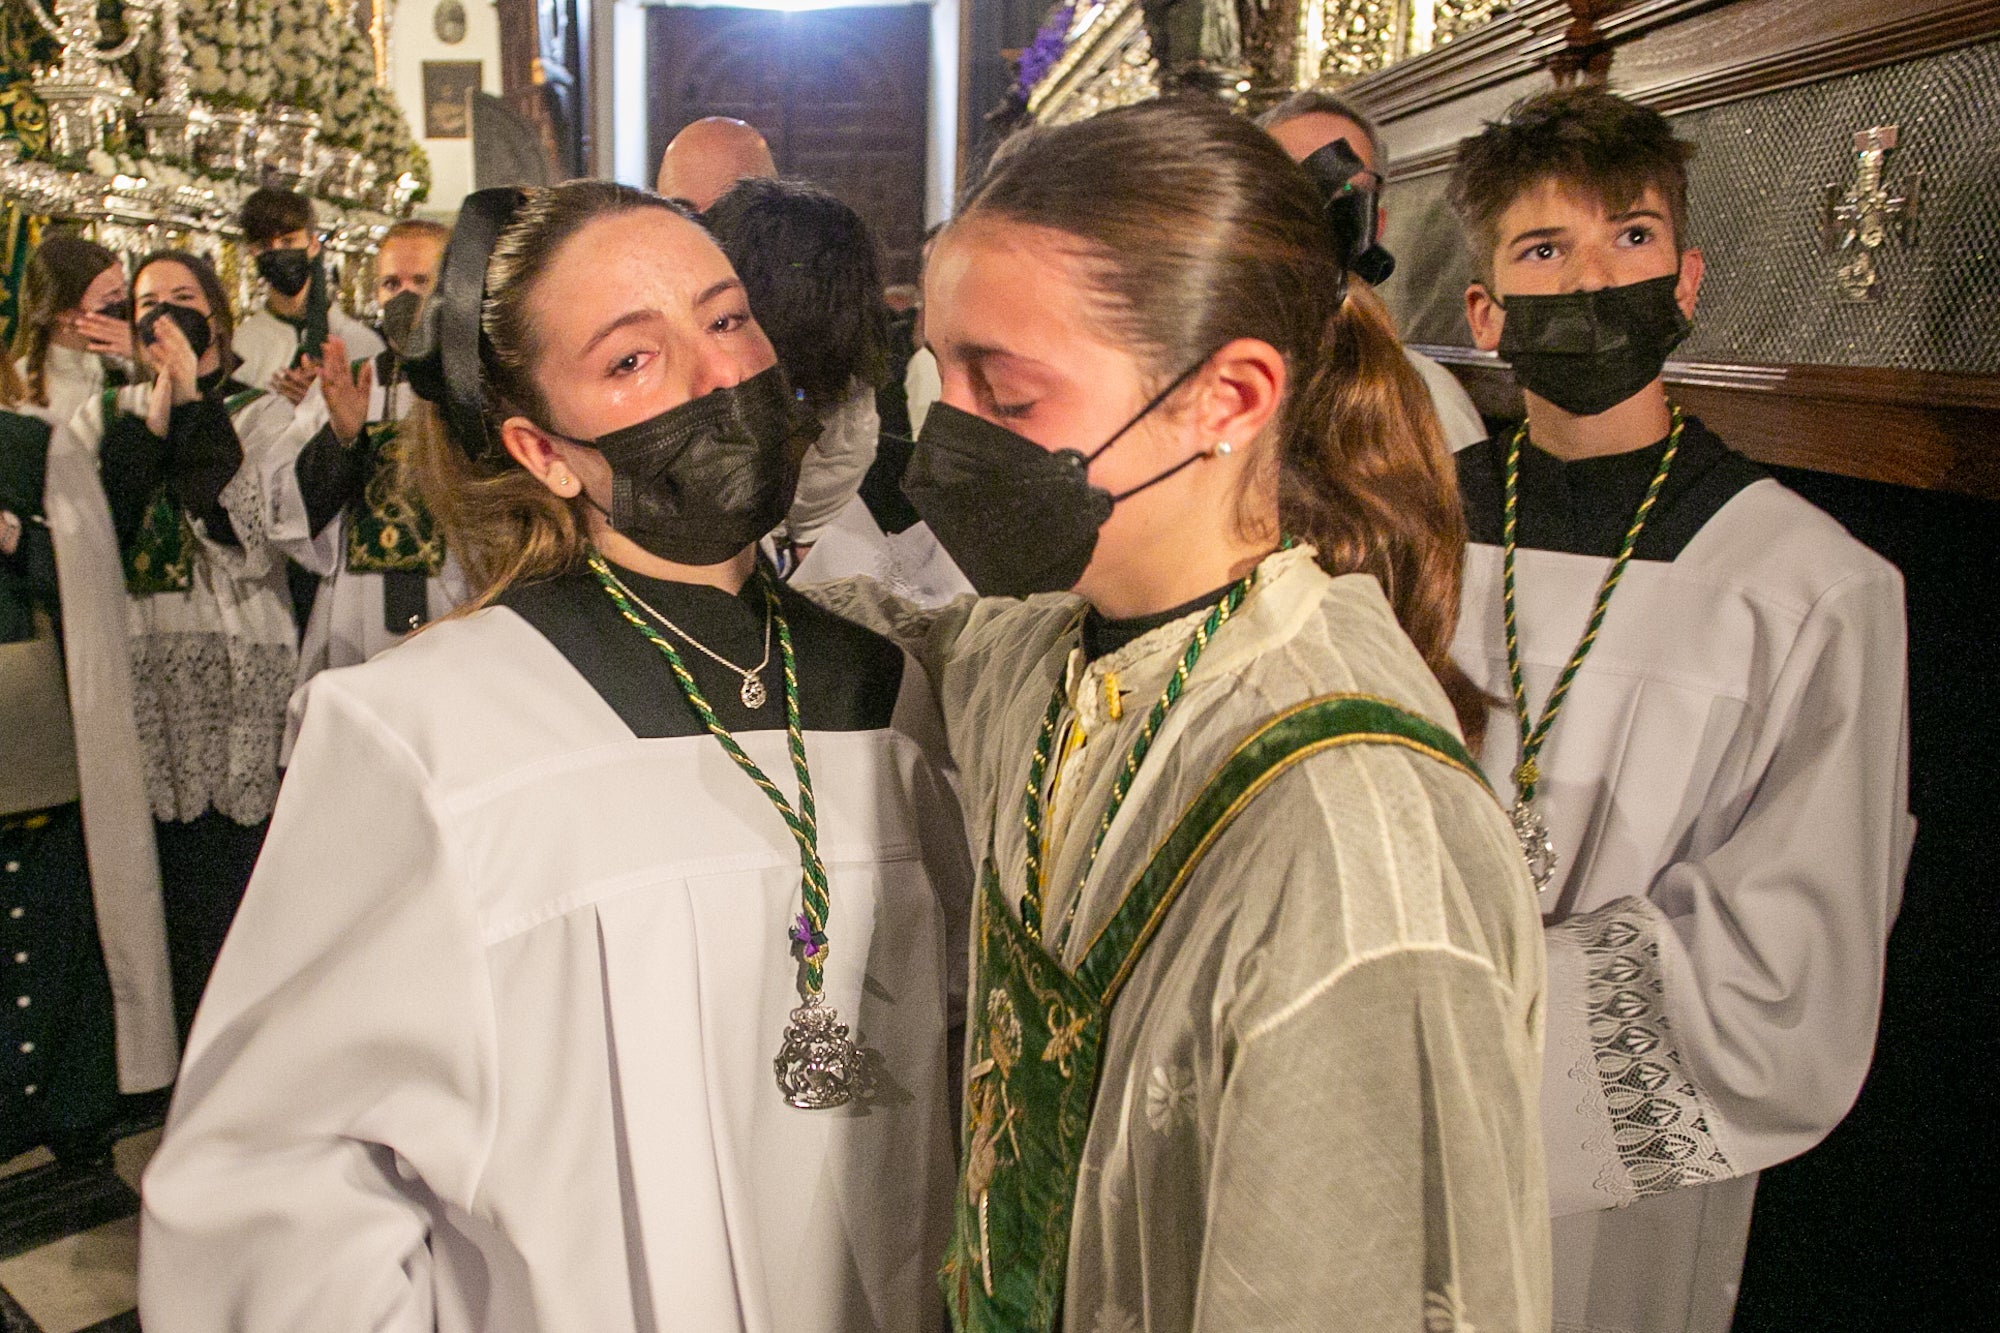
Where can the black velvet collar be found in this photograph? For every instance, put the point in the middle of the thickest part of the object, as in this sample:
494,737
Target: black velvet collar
848,677
1585,507
1102,635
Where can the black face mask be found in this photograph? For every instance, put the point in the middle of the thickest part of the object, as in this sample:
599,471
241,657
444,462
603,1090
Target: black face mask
288,271
1017,518
1587,352
194,325
699,482
121,309
399,320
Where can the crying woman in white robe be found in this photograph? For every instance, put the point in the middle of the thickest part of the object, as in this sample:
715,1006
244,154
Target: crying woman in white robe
598,968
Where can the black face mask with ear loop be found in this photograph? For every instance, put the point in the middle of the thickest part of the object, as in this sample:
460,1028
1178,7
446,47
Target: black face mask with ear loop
1352,208
697,483
1017,519
194,326
1587,352
288,271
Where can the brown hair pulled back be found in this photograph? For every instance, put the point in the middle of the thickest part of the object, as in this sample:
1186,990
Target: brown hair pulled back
504,526
58,274
1196,229
12,391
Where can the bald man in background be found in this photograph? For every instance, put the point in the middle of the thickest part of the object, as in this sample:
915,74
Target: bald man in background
711,155
1303,124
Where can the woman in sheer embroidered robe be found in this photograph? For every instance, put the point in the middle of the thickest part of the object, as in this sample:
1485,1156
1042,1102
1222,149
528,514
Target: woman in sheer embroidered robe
207,614
1316,1092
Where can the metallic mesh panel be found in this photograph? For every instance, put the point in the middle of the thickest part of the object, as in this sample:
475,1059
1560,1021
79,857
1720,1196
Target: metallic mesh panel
1426,293
1754,191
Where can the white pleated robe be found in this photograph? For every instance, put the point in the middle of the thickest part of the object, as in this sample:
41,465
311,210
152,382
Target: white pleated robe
1726,788
490,1045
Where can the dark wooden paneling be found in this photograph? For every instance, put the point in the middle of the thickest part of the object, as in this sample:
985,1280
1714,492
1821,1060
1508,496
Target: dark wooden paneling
988,30
1691,55
1518,42
1905,427
840,95
1675,55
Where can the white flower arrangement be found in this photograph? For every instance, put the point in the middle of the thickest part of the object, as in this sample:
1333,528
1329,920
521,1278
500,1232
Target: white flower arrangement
232,69
140,171
303,43
353,74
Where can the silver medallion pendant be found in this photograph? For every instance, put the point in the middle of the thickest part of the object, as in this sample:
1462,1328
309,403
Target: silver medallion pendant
753,693
818,1067
1536,845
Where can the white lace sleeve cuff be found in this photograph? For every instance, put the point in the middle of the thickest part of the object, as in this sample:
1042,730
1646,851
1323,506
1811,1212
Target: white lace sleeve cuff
1622,1116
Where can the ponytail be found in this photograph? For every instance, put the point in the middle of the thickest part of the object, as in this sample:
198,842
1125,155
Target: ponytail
502,525
1364,476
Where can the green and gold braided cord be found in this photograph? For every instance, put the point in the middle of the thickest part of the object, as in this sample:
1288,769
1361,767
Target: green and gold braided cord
1032,898
1527,774
803,822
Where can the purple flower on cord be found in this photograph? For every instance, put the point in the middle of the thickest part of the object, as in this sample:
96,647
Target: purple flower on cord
811,942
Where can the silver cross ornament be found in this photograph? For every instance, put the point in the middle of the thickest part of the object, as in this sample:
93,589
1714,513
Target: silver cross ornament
1871,213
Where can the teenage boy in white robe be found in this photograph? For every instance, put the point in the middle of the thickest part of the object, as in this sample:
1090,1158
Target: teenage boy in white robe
284,244
1717,812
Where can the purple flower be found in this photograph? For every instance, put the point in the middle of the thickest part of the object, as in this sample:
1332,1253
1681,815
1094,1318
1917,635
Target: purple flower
811,942
1041,54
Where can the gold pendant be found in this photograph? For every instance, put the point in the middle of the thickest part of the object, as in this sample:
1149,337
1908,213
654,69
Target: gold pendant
818,1067
1533,832
753,693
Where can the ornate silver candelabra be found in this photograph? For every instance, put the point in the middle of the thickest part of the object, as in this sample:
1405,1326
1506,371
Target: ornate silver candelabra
85,91
173,120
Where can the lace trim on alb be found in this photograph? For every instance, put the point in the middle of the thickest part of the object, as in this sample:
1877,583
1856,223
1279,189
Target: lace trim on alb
211,714
1659,1116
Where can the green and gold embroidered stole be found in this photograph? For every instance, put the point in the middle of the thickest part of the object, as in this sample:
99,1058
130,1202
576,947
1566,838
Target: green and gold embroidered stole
390,530
161,556
1038,1029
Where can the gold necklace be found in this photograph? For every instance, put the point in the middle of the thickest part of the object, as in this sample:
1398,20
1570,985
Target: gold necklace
753,694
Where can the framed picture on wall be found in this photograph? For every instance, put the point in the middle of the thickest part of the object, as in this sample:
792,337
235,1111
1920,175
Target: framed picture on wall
447,86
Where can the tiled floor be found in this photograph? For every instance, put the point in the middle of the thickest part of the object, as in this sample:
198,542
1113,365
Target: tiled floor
69,1243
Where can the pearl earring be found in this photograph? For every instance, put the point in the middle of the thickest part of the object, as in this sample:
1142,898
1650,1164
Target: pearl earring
1221,447
559,482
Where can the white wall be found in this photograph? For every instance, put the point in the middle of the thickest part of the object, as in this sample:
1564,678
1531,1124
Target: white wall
628,154
413,40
